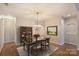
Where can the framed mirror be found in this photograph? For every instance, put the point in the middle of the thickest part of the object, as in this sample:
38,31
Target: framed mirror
52,30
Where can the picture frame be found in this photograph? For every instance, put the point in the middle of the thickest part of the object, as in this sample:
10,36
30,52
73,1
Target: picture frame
52,30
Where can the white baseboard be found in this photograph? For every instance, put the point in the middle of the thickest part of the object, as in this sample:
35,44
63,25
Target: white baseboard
58,43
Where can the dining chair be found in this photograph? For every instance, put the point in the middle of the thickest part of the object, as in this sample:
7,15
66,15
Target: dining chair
46,43
36,49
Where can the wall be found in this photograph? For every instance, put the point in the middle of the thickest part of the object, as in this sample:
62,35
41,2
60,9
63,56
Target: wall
59,39
9,30
1,34
22,22
71,30
43,30
78,30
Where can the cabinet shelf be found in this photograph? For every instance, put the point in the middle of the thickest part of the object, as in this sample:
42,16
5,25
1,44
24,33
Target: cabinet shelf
25,33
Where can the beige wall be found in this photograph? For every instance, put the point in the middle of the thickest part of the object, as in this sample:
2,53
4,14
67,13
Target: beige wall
43,31
1,34
22,22
71,30
78,30
9,30
56,21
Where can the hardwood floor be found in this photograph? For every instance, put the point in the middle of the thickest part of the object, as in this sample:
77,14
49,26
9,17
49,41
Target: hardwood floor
66,50
9,49
55,45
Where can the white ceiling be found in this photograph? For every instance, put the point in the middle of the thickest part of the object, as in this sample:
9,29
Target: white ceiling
28,11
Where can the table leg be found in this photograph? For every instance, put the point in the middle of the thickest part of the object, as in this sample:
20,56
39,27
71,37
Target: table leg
28,50
24,46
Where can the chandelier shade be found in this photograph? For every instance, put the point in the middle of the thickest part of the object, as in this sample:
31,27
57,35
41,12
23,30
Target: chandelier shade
37,26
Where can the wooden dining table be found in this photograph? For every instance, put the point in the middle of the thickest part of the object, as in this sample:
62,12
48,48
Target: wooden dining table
29,45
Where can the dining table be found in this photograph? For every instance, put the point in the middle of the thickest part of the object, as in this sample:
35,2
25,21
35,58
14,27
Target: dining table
29,45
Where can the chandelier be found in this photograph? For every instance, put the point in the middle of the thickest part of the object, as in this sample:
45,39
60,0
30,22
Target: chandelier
37,26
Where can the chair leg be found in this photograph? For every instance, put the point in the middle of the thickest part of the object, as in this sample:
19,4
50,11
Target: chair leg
31,51
41,49
23,46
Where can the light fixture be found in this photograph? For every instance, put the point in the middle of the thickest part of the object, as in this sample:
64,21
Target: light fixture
37,20
37,26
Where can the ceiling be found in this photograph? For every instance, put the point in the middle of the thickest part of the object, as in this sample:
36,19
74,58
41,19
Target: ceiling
28,11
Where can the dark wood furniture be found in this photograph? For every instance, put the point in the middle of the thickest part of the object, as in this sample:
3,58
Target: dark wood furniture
25,34
33,46
46,43
36,36
27,41
37,48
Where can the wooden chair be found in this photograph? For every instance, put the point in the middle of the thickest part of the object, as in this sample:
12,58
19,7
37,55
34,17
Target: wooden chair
46,43
36,49
26,40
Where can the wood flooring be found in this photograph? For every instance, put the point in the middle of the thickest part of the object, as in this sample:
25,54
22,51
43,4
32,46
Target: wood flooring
66,50
9,49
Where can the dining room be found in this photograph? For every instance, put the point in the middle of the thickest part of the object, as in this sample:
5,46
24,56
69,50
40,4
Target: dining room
39,29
